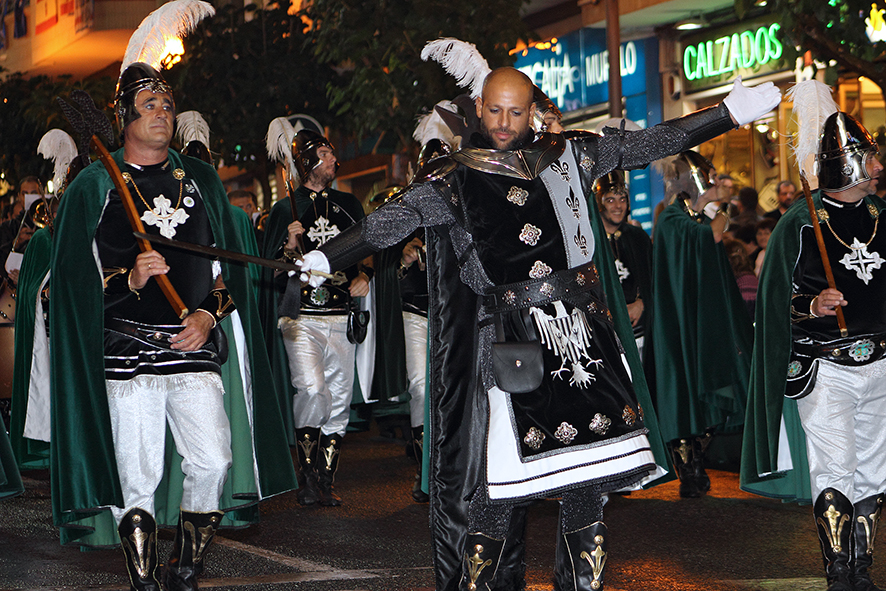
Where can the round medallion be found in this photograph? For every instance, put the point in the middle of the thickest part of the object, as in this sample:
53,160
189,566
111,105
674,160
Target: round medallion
794,368
188,201
319,296
178,173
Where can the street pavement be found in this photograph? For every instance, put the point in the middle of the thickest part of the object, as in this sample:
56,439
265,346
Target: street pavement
379,539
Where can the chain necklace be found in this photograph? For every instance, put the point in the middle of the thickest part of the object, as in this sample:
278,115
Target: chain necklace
823,215
179,174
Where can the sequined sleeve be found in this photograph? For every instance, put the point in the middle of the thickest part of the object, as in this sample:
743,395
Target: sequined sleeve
420,205
635,149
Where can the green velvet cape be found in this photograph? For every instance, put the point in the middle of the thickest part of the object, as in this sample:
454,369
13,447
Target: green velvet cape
30,453
83,468
701,331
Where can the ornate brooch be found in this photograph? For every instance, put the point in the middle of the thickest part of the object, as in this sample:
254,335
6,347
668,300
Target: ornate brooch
539,270
565,433
600,424
518,196
530,235
534,438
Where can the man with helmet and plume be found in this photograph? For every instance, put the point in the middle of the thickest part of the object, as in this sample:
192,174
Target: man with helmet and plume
701,331
821,339
131,358
317,335
519,410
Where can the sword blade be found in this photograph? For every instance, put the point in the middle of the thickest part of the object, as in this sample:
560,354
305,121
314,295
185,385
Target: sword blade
217,252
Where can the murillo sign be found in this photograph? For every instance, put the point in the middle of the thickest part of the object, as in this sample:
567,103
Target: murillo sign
749,50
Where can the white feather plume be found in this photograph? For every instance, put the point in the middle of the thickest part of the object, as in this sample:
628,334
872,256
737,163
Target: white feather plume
192,127
279,144
813,104
58,146
431,126
173,19
461,60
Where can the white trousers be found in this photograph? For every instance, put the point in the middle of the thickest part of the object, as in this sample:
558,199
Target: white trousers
321,363
415,328
845,439
193,406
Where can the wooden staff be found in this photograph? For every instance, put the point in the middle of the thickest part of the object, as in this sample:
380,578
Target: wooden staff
135,221
299,244
819,239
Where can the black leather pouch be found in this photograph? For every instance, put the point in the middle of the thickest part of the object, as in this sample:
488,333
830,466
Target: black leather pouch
518,365
358,321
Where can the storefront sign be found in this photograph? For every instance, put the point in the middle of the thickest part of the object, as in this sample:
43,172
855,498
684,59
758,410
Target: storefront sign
743,50
573,70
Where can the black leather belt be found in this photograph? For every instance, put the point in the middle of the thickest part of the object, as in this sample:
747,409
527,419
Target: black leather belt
859,350
158,336
537,292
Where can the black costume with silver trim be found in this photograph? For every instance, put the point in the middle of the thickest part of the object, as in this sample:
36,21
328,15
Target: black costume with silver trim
518,221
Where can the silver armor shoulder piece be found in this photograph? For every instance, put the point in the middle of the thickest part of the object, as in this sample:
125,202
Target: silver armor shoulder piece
435,170
525,164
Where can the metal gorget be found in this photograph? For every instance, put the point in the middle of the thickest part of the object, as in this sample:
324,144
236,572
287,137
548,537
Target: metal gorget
526,163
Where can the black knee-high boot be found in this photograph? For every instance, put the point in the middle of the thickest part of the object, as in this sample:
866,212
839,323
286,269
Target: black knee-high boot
307,444
480,561
327,464
867,516
192,539
682,452
138,535
833,518
581,558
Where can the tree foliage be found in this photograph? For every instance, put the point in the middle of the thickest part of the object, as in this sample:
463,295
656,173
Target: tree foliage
243,68
28,109
376,46
835,30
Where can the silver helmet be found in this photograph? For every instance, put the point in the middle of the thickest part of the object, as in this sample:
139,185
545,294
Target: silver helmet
689,175
304,151
843,151
136,77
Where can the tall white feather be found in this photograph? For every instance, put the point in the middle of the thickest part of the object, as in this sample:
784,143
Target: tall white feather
173,19
58,146
279,144
461,60
813,104
192,126
431,126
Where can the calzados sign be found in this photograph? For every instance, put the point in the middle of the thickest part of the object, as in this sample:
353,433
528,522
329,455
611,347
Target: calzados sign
752,51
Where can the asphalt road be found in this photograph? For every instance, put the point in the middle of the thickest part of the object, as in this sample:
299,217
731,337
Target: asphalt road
379,540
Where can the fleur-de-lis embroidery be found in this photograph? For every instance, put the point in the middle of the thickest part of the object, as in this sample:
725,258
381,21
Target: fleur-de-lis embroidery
563,169
581,242
574,204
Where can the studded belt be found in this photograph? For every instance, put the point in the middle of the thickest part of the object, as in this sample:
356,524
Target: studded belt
859,350
537,292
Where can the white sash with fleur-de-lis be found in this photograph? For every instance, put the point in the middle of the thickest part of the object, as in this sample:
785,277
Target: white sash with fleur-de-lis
562,181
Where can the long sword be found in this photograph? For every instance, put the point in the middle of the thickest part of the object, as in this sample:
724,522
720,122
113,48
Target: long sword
230,255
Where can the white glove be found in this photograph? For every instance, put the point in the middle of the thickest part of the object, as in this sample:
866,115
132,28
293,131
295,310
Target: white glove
313,261
747,104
